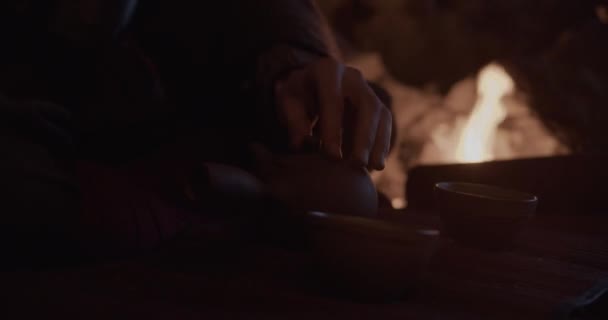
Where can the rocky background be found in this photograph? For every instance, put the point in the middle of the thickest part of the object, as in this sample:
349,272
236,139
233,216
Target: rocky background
557,49
426,54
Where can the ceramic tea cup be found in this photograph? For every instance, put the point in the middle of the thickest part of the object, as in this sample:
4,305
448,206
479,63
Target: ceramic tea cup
482,215
368,259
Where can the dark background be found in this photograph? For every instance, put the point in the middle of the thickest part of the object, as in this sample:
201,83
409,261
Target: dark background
555,49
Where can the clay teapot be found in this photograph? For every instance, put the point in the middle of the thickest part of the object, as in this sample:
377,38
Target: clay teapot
313,182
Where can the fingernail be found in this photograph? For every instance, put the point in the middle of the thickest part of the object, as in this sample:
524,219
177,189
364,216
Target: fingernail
376,167
366,156
360,160
383,159
381,165
333,151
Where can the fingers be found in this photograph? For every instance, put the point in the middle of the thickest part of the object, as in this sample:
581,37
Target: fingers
293,111
369,114
320,93
382,143
328,76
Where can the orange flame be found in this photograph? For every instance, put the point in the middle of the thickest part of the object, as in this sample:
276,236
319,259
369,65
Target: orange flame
476,141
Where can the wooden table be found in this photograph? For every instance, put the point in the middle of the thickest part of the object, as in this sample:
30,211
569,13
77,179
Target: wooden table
555,260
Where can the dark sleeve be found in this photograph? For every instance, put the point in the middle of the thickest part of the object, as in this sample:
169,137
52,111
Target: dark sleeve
56,208
258,26
271,38
231,52
39,198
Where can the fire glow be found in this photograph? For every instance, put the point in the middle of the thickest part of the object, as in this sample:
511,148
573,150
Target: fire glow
482,118
480,135
476,141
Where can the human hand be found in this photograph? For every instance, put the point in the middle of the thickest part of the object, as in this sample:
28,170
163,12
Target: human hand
335,100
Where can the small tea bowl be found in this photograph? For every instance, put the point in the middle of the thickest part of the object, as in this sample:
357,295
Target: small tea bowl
481,215
368,259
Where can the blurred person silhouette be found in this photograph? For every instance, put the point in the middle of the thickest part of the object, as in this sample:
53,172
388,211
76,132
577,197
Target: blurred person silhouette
107,109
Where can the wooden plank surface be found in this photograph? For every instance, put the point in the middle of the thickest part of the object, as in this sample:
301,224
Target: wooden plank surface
547,266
